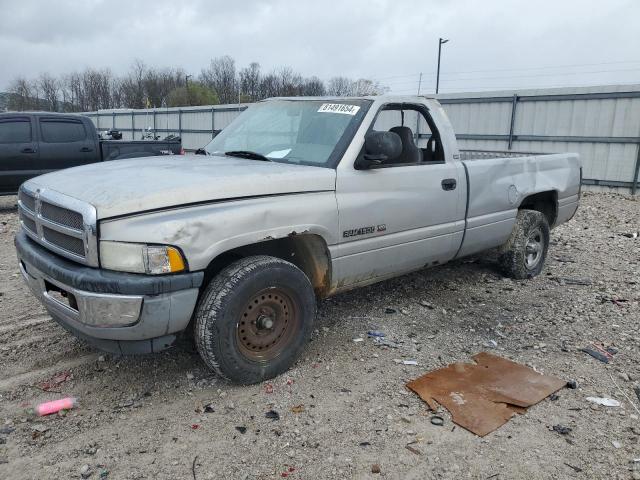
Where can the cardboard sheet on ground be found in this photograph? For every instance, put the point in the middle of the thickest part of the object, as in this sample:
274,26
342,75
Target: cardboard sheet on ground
484,396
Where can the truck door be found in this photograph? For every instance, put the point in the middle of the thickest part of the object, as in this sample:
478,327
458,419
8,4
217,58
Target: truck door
18,152
64,143
405,213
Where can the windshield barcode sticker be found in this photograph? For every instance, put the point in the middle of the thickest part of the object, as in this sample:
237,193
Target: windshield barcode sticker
339,108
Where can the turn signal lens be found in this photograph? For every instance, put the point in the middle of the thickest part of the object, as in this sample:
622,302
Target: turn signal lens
160,259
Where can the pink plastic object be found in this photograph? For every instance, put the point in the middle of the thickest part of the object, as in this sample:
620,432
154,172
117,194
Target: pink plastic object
48,408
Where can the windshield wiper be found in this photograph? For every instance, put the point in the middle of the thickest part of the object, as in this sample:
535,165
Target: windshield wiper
248,154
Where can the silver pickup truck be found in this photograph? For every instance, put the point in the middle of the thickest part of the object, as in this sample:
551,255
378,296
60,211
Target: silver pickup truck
296,200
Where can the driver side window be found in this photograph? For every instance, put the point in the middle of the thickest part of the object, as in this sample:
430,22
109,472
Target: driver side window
420,142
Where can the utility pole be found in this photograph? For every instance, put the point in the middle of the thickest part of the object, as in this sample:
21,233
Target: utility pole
419,83
441,42
186,81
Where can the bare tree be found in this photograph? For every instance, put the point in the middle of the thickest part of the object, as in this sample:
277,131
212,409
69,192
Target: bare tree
22,95
313,87
340,86
50,88
250,82
143,86
364,87
221,77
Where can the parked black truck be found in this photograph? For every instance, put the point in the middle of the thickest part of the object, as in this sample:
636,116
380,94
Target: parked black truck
34,143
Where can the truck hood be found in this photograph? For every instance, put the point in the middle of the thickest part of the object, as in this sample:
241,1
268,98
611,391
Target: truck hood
124,187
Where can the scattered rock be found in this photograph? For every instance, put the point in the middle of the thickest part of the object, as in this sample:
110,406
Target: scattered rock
375,468
86,471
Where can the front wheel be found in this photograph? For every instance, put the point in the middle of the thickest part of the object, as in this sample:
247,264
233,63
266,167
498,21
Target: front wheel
254,319
524,253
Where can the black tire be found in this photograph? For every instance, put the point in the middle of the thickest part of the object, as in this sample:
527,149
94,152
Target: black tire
525,252
245,344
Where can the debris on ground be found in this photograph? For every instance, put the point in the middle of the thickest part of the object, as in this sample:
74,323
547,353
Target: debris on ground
268,388
410,362
376,333
383,342
298,409
413,449
483,396
491,344
599,352
242,430
574,468
48,408
561,429
375,468
605,402
38,430
288,472
273,415
56,381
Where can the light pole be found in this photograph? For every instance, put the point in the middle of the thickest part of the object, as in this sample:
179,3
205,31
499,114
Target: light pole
186,81
441,42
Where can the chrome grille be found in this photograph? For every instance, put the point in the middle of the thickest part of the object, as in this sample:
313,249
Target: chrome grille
27,200
66,242
62,216
61,224
28,223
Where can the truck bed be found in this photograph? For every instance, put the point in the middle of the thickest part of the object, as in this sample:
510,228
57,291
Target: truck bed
497,184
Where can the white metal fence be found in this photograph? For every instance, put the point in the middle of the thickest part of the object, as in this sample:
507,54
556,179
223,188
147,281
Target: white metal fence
602,124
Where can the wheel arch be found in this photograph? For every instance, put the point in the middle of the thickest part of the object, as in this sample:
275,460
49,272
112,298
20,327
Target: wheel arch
307,251
543,202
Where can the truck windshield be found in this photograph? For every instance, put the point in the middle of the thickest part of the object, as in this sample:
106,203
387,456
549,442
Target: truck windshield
308,132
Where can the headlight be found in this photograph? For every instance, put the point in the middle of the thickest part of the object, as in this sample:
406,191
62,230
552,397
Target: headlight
140,258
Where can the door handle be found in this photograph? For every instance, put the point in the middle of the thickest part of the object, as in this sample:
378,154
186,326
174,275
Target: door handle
28,150
449,184
86,149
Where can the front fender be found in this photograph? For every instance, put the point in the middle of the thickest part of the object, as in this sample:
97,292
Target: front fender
205,231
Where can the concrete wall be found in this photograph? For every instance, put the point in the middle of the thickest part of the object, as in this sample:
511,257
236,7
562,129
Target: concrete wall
602,124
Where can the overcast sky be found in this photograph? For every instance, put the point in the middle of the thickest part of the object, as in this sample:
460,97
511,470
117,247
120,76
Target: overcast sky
497,44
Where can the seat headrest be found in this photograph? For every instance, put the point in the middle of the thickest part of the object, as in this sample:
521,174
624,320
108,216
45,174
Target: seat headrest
405,134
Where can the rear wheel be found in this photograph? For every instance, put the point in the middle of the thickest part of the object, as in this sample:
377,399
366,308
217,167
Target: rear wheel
524,253
254,319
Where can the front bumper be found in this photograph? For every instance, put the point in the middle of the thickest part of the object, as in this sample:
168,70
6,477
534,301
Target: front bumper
117,312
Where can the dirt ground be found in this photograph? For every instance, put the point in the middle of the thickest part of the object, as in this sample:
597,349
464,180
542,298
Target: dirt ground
142,417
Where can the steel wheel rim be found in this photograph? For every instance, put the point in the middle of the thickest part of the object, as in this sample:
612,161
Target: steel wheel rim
267,324
533,249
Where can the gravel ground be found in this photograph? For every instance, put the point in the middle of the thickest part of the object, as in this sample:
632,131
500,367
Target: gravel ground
343,407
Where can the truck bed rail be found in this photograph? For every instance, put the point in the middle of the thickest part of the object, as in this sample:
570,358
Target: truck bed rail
487,154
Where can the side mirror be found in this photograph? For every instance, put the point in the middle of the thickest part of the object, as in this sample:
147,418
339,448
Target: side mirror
201,151
379,147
